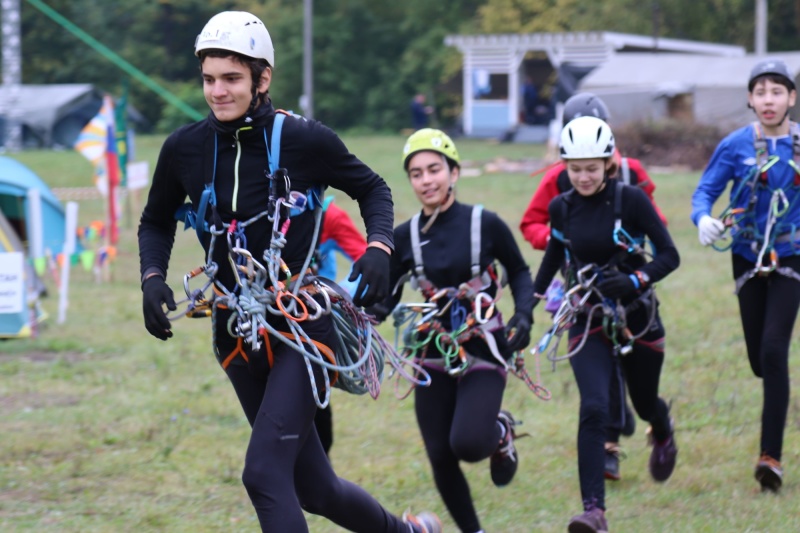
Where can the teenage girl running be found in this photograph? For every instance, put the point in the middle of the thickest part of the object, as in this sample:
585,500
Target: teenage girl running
450,250
589,223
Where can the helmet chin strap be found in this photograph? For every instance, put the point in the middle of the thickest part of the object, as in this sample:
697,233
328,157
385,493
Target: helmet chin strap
602,183
254,103
785,116
436,211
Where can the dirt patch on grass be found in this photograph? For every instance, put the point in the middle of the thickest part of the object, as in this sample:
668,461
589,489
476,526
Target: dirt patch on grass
36,400
40,356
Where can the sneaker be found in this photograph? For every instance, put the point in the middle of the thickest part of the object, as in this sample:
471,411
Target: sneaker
504,461
769,473
424,522
613,455
663,456
592,520
629,427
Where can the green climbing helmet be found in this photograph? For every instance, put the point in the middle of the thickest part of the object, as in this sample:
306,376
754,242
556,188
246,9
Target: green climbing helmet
431,140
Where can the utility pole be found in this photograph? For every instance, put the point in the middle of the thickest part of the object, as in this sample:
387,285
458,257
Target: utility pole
656,9
12,74
307,100
761,27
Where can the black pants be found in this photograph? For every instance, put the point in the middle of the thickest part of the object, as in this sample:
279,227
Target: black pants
457,417
593,368
768,309
286,470
323,422
617,409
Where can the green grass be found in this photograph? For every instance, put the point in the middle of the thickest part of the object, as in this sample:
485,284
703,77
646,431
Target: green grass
104,428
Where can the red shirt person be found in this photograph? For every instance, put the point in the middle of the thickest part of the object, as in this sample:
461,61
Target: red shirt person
535,224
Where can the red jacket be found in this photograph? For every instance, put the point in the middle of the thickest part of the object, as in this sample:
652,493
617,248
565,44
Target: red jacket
339,227
535,225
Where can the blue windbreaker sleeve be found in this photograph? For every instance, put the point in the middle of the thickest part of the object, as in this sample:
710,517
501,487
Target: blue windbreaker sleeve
720,170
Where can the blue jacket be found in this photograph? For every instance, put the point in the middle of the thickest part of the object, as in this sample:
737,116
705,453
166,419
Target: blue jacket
734,160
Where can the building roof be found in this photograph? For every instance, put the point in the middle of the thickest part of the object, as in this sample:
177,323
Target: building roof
594,46
677,73
44,104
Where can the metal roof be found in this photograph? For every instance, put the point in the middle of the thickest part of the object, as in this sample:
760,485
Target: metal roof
618,41
638,70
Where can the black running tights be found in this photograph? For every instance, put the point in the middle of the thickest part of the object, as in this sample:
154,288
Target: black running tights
458,420
768,309
593,368
286,470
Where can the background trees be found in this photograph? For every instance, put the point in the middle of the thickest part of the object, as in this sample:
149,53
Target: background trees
370,56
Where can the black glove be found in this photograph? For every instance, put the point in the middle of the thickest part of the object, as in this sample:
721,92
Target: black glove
518,331
379,310
615,285
373,267
155,293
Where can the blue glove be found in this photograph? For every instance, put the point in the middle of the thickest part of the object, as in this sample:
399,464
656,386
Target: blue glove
518,331
156,292
373,269
615,285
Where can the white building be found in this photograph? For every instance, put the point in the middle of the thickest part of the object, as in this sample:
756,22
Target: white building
501,62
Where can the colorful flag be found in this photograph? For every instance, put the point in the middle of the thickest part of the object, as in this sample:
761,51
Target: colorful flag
121,133
97,142
92,143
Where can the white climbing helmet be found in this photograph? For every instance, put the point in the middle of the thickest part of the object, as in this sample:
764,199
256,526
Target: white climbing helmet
237,31
587,138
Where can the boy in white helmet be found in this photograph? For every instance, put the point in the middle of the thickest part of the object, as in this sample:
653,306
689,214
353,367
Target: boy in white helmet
261,176
761,159
598,228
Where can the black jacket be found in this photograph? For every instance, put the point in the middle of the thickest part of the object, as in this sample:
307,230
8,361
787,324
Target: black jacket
589,228
313,155
446,259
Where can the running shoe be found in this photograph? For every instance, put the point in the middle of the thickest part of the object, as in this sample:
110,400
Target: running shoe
664,454
592,520
504,461
769,473
613,455
424,522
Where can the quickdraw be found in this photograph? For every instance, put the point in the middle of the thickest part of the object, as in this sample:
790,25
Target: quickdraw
614,317
778,206
266,287
198,305
739,220
417,325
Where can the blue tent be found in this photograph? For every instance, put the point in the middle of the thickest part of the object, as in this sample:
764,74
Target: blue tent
15,181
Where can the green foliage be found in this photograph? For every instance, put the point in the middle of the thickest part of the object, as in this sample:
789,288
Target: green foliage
370,57
190,92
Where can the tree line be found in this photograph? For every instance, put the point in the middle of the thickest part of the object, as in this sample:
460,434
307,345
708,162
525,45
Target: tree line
370,56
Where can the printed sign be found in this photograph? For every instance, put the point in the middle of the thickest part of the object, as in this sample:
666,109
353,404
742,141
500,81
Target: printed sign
12,282
138,175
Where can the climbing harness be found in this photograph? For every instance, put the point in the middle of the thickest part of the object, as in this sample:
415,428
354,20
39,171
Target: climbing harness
741,221
265,288
582,282
471,310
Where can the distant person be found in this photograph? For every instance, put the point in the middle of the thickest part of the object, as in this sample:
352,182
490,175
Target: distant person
420,112
764,216
248,170
530,101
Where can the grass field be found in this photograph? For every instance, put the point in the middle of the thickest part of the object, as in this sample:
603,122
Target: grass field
104,428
